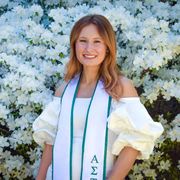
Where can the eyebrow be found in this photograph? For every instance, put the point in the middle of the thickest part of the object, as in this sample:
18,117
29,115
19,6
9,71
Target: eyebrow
93,38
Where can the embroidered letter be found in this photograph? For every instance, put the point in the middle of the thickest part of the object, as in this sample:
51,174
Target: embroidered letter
94,170
94,159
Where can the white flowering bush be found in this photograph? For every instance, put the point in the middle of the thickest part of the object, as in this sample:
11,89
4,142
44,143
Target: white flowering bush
34,49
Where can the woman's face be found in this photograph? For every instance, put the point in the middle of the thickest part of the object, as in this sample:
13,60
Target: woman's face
90,47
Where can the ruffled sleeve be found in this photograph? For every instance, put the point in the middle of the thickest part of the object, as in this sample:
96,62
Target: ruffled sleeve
45,126
134,127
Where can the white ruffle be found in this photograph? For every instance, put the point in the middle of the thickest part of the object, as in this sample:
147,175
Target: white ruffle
129,120
45,126
134,127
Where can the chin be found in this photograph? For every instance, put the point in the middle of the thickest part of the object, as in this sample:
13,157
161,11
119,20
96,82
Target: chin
90,63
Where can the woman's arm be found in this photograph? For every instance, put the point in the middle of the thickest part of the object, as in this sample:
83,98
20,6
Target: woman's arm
123,163
45,162
47,151
128,155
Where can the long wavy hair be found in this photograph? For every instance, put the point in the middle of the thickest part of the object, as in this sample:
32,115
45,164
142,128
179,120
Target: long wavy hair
109,72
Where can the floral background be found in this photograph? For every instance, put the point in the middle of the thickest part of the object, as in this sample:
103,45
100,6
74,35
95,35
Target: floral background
34,48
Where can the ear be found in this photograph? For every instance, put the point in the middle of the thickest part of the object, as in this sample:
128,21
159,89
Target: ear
107,51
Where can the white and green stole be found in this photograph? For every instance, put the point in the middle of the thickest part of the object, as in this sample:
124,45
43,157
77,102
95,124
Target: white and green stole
95,137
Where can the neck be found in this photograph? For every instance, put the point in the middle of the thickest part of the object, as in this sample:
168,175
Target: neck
89,75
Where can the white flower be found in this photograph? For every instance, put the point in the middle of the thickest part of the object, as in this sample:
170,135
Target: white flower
174,132
36,10
171,89
161,10
13,162
5,32
3,111
55,27
35,33
176,26
3,3
61,48
20,11
39,51
59,15
150,173
154,60
42,98
22,99
18,48
4,96
20,137
52,53
29,84
96,10
139,60
62,40
164,165
28,24
164,25
47,36
23,111
48,68
133,36
4,142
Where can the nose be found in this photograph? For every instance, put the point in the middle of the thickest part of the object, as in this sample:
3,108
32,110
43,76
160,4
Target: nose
89,46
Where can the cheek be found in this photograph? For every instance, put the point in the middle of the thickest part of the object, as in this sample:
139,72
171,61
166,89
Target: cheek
79,51
102,50
78,48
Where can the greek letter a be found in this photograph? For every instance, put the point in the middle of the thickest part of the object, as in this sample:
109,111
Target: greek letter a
94,159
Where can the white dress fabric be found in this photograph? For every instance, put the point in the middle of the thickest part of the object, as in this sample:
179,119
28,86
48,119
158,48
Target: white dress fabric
129,124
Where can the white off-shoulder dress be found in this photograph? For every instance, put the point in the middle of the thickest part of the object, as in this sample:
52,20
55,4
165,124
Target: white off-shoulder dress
129,124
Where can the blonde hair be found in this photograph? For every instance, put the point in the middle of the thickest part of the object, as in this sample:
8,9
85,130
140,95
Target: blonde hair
109,71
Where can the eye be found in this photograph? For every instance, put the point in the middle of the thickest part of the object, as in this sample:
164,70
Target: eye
97,41
82,40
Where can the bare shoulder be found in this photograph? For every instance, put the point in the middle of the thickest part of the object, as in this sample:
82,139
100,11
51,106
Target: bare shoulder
129,89
60,88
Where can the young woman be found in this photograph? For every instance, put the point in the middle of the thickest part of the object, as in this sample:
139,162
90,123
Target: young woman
96,126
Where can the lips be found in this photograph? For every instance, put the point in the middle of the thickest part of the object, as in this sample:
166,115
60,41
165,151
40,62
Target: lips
88,56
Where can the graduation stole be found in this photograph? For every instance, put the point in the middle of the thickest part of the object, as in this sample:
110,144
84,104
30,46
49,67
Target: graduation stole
95,137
